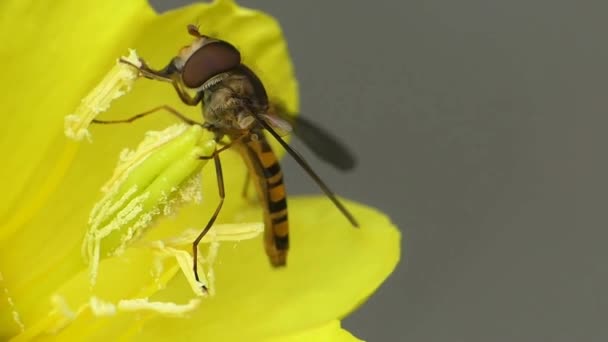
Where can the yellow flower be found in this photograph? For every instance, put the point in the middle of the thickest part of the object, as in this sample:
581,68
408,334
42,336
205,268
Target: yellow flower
53,53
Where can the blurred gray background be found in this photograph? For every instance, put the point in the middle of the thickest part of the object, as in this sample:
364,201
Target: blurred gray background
477,125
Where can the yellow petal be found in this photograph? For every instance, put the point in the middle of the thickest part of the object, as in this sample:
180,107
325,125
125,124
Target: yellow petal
51,185
48,62
52,52
332,269
327,332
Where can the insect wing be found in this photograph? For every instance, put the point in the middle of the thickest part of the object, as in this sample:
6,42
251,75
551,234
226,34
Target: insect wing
281,126
322,143
326,146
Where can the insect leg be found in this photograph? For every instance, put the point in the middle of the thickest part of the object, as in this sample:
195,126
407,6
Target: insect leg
168,74
146,72
246,185
169,109
244,192
220,186
184,96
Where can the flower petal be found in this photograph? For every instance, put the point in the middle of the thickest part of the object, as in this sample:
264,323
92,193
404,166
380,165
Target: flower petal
44,74
51,184
327,332
51,53
332,269
294,299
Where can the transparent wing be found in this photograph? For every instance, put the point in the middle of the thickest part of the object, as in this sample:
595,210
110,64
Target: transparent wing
322,143
326,146
281,126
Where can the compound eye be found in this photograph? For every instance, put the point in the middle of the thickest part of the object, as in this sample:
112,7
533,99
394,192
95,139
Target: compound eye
209,60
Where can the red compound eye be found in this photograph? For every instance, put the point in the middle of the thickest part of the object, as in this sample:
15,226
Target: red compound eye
210,60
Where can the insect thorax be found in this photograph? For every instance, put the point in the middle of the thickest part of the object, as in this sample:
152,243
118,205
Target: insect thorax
230,103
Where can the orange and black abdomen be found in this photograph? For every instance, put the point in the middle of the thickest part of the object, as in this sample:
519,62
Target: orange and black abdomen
267,176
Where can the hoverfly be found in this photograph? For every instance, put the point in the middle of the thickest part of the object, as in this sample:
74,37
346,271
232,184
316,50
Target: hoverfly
236,106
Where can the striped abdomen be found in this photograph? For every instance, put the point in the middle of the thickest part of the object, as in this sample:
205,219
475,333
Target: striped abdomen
268,179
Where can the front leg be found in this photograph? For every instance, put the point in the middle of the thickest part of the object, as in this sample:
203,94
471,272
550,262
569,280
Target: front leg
147,72
170,74
183,93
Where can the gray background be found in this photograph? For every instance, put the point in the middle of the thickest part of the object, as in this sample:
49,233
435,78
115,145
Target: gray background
477,125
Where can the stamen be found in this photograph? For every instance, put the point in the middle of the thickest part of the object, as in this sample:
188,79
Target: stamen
101,308
117,82
174,247
154,179
11,305
165,308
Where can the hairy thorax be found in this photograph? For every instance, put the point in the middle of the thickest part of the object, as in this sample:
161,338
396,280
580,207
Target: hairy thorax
230,103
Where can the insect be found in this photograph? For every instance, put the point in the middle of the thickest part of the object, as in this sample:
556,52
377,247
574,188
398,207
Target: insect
236,106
